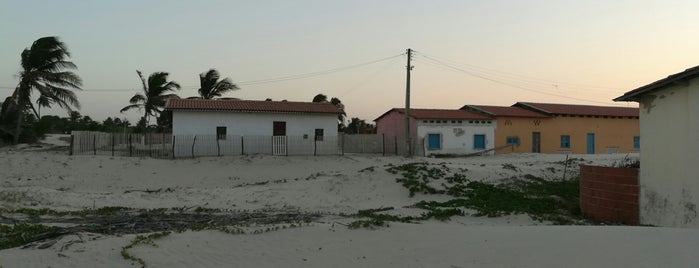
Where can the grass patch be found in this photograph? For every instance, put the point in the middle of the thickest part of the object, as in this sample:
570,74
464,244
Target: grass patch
141,239
556,201
20,234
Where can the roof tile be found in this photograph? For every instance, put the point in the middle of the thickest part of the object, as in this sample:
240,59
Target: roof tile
574,109
251,106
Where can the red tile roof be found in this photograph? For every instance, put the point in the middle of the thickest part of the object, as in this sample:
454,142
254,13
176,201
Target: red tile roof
439,114
574,109
634,95
251,106
506,111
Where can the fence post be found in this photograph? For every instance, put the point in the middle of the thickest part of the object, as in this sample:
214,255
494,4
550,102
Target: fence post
173,146
218,146
148,138
242,145
342,148
130,145
286,145
424,152
113,143
72,140
94,144
162,140
395,143
383,144
315,146
194,142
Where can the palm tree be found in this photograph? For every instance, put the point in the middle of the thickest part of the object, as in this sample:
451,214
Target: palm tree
335,101
44,67
320,98
156,91
211,87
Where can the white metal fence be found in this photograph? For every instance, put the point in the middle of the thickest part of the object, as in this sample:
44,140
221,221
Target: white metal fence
165,145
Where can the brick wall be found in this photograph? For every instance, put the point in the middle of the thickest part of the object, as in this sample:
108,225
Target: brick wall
609,194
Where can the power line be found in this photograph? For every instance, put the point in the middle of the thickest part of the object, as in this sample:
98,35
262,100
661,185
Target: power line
312,74
508,84
254,82
522,78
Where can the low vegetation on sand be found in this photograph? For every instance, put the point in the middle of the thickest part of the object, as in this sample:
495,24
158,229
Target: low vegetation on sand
544,200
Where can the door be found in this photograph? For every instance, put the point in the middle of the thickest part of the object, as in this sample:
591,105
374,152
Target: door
479,142
279,145
434,142
590,143
536,142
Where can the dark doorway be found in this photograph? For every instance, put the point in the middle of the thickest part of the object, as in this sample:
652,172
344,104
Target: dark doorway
279,128
536,142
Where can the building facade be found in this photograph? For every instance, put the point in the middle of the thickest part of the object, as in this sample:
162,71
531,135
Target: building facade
563,128
669,173
441,131
288,127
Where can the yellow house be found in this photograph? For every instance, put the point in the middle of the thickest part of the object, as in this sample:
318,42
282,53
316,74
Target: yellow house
563,128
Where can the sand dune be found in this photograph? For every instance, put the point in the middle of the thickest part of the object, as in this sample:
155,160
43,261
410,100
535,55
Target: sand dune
331,185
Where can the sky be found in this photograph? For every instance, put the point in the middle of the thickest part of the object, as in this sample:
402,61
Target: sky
492,52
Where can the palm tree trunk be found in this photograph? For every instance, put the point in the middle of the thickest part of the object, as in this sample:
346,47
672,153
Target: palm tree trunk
18,130
20,116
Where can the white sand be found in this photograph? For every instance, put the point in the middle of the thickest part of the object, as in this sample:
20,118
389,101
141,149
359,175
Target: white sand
330,184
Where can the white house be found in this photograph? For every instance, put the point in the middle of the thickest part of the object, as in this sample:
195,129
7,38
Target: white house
293,127
441,131
669,174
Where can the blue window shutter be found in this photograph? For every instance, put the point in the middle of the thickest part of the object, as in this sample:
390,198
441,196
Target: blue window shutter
434,141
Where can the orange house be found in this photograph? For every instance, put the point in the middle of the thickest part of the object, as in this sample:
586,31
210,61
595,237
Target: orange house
563,128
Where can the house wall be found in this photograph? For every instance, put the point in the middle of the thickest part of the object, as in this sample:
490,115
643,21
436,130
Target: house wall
669,180
457,138
611,134
393,125
205,123
520,127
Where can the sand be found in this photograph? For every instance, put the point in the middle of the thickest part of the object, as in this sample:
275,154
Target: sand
42,177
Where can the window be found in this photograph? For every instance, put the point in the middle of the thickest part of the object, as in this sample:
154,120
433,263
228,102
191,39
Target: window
221,133
470,121
459,121
478,141
434,141
565,141
453,121
637,142
431,121
424,121
319,134
512,140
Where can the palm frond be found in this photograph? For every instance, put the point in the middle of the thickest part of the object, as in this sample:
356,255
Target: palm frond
129,107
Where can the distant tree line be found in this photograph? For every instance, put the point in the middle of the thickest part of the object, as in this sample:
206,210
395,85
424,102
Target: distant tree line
47,80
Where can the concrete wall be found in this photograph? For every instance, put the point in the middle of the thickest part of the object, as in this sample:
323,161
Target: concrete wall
669,176
611,134
393,125
457,138
205,123
609,194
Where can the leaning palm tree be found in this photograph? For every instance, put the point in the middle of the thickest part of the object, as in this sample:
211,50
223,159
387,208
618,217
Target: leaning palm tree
211,87
156,91
44,67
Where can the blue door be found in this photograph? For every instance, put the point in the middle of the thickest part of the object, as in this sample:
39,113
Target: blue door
590,143
478,141
434,141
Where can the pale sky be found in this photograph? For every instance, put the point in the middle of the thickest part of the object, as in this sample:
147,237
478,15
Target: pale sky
496,52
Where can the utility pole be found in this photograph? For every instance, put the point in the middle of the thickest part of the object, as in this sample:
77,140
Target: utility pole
408,67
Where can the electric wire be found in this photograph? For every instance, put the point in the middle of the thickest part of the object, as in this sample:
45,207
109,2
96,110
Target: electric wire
454,68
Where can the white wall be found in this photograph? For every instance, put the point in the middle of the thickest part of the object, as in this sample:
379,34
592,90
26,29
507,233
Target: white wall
669,175
205,123
455,141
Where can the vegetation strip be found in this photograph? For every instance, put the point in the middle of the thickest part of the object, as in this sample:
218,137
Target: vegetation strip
22,226
552,200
